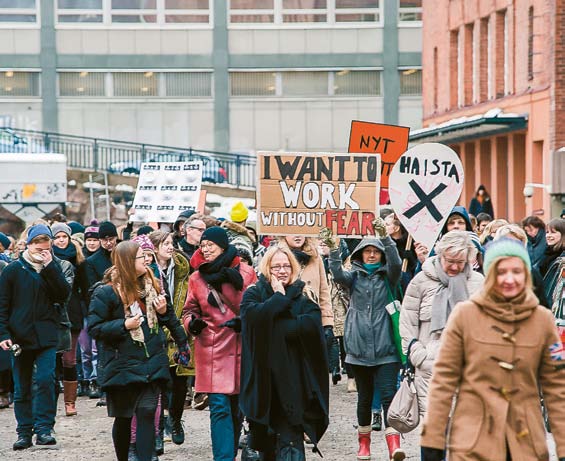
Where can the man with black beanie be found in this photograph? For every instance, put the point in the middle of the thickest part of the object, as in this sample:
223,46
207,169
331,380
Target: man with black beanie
95,266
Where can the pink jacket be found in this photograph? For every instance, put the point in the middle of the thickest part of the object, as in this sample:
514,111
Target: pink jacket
217,350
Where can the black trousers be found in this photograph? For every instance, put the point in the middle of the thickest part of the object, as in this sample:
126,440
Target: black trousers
145,408
384,376
177,394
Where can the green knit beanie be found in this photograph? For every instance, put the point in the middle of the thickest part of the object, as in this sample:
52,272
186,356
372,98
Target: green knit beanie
506,248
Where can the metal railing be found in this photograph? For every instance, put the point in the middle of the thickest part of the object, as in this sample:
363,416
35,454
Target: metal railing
121,157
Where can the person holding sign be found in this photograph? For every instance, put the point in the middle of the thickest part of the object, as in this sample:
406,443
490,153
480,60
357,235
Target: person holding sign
369,336
285,389
211,315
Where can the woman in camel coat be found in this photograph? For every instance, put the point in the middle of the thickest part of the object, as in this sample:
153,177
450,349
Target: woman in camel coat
498,351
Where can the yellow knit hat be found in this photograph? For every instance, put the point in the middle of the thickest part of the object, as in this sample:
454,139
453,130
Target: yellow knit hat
239,212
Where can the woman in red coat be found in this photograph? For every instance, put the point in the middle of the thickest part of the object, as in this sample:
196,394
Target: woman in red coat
211,314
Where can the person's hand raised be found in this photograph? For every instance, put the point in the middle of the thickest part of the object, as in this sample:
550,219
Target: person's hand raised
277,285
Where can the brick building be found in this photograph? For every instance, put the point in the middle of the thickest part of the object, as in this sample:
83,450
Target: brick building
494,90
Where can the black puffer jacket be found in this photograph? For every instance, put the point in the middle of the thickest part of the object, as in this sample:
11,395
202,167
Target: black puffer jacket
28,315
123,361
96,265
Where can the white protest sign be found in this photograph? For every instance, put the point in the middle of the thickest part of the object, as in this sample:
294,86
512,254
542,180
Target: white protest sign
425,184
165,189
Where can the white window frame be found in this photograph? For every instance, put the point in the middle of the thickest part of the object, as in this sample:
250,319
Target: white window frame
279,96
409,24
22,25
161,86
159,11
330,11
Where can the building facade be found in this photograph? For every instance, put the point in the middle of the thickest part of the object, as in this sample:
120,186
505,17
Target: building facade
235,75
494,90
225,75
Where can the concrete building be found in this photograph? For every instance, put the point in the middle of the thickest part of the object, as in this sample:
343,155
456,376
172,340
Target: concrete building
494,90
226,75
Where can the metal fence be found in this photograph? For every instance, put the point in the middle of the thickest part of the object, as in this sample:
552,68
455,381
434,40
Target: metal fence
119,157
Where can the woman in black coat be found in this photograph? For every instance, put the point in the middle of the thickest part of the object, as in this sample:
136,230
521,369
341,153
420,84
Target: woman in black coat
125,317
284,375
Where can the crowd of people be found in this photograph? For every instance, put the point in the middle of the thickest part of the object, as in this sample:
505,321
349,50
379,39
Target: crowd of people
203,312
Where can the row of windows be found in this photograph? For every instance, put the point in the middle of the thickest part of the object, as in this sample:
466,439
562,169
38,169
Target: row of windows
179,12
344,82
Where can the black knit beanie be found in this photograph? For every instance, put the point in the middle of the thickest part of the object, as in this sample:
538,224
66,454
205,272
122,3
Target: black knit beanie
107,229
217,235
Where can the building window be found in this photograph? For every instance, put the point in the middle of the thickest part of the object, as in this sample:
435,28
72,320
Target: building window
286,12
253,83
134,12
82,83
410,11
357,83
304,83
19,84
136,84
411,82
531,43
345,82
188,84
18,11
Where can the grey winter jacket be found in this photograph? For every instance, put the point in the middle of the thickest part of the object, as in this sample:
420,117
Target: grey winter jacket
368,332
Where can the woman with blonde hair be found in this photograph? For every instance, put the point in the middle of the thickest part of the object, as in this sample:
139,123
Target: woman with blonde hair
125,317
490,230
498,350
285,389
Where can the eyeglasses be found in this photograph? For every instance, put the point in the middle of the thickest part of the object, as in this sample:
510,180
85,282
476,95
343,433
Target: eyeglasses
457,262
208,246
199,229
286,267
140,257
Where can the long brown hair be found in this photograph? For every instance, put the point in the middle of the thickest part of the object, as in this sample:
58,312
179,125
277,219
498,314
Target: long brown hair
122,274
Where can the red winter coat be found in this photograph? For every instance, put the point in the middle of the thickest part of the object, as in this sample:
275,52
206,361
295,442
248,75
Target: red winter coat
217,350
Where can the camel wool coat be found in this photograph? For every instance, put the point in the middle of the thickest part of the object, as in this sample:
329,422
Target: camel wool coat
496,357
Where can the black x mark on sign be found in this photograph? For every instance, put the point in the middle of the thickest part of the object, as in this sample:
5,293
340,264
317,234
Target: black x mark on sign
425,201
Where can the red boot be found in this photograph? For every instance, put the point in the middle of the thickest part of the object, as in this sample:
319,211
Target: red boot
393,442
364,435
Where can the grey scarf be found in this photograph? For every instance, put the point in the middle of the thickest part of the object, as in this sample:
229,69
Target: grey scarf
451,291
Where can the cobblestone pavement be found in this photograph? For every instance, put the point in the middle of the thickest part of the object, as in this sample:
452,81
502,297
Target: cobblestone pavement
88,435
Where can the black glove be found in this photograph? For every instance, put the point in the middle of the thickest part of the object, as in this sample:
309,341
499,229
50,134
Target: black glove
182,356
432,454
329,333
234,324
196,325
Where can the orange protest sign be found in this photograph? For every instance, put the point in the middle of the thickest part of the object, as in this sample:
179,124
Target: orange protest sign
391,141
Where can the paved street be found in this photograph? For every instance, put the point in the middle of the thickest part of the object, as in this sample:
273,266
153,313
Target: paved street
88,436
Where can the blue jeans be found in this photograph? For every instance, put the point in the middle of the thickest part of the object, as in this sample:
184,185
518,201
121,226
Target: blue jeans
35,414
225,425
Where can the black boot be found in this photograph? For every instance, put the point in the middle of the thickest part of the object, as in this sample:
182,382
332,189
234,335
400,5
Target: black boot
377,423
83,389
159,445
94,391
177,431
336,376
23,442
